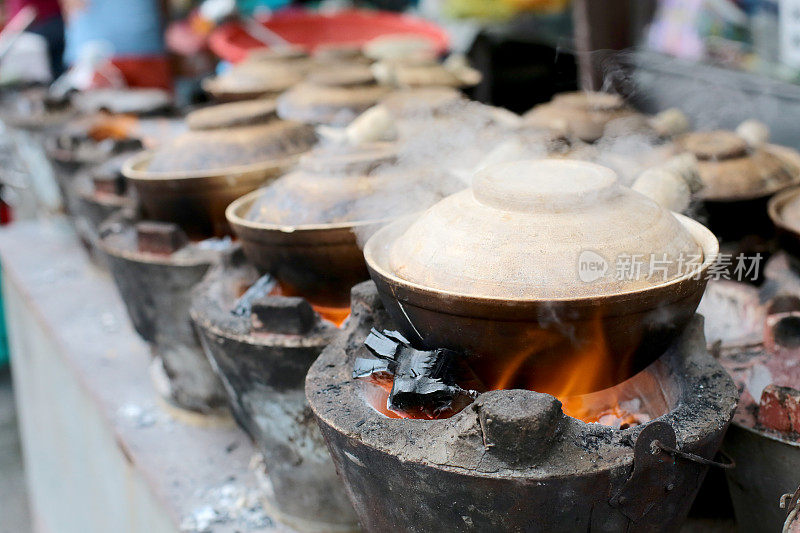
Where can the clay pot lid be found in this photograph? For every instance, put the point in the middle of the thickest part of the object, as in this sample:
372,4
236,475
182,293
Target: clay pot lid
216,149
338,185
400,47
731,170
124,101
245,113
715,145
343,75
276,53
583,114
427,100
326,104
340,52
430,75
589,101
345,159
256,77
784,210
524,228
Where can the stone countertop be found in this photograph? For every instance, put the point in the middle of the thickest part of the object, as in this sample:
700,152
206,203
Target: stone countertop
197,469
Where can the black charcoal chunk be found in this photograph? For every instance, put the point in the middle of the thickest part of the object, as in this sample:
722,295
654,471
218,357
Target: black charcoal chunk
423,379
289,315
261,287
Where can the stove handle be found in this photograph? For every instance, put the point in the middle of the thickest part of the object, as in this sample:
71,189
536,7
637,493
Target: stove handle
728,463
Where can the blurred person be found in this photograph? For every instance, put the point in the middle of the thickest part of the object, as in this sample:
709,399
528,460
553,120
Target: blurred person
48,23
134,31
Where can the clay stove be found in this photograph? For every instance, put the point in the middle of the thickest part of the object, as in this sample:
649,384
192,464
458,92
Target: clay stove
261,346
155,267
511,460
755,333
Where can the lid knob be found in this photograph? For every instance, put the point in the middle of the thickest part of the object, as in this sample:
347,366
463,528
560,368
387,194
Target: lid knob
715,145
543,185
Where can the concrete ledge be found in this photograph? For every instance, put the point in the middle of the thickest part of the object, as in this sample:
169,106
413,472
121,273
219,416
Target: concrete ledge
101,452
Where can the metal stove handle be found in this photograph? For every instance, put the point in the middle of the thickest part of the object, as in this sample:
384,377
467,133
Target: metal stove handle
727,465
792,503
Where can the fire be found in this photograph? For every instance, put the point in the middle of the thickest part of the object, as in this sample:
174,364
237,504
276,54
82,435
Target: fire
586,365
117,127
587,376
337,315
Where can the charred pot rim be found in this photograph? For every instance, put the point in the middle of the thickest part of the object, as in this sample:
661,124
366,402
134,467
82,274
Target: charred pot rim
318,262
781,154
671,291
197,200
789,237
769,435
214,298
118,239
706,398
135,169
330,234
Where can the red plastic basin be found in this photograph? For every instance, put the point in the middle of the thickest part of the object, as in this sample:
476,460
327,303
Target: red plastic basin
311,29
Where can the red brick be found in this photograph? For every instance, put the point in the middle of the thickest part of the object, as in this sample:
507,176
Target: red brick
779,409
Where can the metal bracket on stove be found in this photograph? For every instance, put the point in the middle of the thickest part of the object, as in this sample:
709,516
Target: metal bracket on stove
653,474
793,510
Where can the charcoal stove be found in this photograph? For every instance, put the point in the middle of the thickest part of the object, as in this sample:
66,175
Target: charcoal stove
445,431
155,267
512,460
100,193
107,124
755,335
261,346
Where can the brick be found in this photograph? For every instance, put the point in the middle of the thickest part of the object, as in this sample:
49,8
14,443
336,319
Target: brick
162,238
779,409
288,315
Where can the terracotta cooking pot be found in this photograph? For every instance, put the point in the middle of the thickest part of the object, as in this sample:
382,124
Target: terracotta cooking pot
521,273
304,227
192,179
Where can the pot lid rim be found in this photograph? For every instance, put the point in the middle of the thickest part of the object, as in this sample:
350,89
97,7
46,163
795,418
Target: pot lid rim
132,171
704,238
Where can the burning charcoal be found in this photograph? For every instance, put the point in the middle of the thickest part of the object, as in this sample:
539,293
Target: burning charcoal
385,345
289,315
779,409
261,287
372,368
424,381
160,237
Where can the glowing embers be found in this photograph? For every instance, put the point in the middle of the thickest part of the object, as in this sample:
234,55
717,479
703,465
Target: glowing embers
414,383
403,382
337,315
267,286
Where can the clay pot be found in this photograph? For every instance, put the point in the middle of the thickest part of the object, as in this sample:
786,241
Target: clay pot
333,96
255,79
525,267
191,180
731,170
582,114
304,227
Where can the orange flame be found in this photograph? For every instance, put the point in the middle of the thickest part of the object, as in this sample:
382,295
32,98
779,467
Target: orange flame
587,377
337,315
